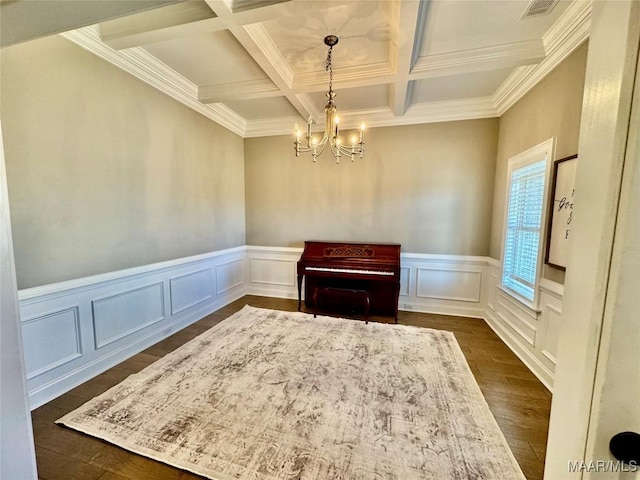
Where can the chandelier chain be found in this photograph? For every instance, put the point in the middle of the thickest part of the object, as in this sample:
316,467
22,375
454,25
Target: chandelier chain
328,66
331,137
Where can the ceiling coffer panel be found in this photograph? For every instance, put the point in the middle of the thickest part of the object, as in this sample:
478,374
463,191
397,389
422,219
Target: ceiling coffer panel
361,26
211,59
258,66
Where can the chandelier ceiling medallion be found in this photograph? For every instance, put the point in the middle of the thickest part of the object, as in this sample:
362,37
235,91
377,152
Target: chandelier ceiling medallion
331,135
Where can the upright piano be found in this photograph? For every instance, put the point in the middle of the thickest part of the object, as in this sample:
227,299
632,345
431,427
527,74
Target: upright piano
374,267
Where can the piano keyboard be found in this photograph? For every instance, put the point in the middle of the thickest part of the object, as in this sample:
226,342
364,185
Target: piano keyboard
350,270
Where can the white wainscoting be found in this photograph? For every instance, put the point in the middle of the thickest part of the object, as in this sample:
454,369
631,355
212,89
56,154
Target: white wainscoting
74,330
445,284
271,271
530,334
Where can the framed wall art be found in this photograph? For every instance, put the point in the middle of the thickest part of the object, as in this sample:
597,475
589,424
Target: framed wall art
561,211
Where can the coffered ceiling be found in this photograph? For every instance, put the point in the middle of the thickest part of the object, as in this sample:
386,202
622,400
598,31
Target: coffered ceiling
257,66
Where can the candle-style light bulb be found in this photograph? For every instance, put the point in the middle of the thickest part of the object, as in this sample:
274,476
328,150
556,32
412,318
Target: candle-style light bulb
353,140
362,126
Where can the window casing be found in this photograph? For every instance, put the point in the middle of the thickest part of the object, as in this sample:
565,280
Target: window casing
525,220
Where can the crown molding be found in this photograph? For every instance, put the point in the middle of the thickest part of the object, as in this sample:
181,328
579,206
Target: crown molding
444,111
147,68
249,89
566,34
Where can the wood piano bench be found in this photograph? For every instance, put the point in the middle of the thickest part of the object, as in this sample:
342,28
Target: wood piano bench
352,294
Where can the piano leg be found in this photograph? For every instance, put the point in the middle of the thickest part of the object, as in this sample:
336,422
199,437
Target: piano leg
299,291
367,303
315,302
397,300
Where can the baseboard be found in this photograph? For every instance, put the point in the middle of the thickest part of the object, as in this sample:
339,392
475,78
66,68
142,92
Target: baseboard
521,351
457,310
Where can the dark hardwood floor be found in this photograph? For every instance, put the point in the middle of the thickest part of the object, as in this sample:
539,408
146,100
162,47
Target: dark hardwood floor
518,401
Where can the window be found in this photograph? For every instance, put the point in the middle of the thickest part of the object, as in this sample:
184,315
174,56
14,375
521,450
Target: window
528,176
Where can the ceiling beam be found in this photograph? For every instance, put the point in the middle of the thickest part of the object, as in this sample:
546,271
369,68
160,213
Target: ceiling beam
260,46
495,57
189,20
23,20
347,77
407,20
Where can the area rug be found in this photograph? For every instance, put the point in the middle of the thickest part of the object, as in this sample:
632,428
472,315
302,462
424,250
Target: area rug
279,395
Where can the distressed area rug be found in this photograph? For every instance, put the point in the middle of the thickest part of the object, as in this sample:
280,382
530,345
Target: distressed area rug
278,395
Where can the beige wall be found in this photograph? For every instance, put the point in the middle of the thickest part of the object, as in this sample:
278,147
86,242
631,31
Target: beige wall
104,172
551,109
428,187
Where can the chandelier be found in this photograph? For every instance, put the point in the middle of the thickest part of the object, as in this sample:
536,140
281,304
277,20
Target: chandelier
331,135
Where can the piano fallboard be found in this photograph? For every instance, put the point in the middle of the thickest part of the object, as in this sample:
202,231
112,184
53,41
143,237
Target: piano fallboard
374,267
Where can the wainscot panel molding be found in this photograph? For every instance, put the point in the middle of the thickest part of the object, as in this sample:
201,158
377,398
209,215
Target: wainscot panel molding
74,330
531,334
444,284
271,271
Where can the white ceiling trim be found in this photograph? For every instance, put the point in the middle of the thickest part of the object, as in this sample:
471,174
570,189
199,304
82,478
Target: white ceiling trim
261,38
259,45
157,25
147,68
246,90
567,34
571,30
403,48
257,42
479,59
309,105
131,32
346,77
120,41
433,112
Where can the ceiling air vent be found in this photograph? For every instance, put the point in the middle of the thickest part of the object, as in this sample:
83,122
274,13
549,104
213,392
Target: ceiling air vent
539,7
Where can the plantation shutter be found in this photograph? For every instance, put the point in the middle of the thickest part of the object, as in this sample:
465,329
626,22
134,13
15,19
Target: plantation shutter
522,241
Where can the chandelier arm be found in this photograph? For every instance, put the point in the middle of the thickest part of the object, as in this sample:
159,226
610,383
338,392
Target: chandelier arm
347,150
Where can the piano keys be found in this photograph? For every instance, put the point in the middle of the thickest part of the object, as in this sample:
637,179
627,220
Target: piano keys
374,267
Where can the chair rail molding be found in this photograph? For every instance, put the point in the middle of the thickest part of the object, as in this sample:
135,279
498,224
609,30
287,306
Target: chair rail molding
76,329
